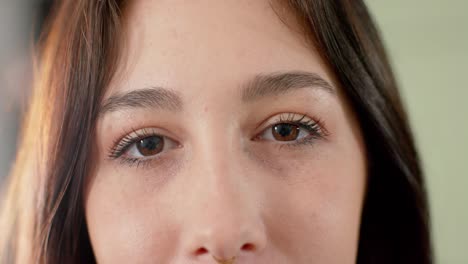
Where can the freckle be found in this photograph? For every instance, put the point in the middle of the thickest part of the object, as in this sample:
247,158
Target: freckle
205,109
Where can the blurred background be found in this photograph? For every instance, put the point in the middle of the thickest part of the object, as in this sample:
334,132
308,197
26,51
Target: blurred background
428,45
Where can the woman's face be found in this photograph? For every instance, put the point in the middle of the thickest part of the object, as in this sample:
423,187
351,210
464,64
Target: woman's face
224,136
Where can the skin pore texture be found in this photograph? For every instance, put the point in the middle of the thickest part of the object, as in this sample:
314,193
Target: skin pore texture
204,86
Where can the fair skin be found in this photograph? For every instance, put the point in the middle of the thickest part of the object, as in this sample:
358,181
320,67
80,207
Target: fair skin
210,160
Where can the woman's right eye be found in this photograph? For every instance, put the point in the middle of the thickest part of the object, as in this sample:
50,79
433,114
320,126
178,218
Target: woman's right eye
149,147
145,147
141,145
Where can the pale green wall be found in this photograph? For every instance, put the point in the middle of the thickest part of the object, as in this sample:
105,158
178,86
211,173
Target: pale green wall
428,45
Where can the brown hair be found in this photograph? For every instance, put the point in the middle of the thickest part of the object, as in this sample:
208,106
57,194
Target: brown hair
43,213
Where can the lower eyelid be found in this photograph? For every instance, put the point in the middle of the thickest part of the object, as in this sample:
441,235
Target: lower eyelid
131,162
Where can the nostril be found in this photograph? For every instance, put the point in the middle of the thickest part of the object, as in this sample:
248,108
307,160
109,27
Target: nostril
201,251
248,247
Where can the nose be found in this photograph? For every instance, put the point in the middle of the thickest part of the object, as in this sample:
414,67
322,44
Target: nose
223,220
225,241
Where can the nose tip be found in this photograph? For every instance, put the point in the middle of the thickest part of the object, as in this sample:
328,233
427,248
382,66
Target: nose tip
226,244
238,232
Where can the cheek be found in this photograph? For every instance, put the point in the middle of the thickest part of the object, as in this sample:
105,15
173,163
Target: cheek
317,203
125,226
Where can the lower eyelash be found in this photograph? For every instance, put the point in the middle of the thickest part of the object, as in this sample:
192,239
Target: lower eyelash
137,163
131,161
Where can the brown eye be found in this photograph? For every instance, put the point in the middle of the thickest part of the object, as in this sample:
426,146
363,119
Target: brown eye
150,146
291,129
285,132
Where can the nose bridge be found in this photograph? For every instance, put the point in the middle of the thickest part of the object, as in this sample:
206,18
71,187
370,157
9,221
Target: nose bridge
216,147
222,220
217,153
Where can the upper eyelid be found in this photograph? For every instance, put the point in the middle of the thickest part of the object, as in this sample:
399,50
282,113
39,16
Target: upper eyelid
141,132
277,118
132,136
293,117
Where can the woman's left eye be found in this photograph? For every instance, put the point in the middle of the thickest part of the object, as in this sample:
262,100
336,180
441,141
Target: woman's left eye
291,129
285,132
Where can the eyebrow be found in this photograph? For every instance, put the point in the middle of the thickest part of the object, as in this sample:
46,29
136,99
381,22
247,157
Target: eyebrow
274,84
152,97
261,86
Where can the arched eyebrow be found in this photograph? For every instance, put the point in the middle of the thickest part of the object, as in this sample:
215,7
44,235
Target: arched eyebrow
152,97
261,86
278,83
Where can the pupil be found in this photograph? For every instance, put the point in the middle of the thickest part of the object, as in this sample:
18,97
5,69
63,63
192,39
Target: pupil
149,143
284,130
150,146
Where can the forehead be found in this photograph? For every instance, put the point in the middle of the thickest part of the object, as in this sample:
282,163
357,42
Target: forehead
209,43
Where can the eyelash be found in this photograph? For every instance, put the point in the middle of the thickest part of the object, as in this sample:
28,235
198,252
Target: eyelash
313,126
122,145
